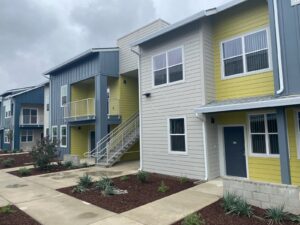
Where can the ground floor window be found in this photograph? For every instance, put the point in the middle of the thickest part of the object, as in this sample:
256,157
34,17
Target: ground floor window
264,134
6,136
54,134
63,136
26,136
177,135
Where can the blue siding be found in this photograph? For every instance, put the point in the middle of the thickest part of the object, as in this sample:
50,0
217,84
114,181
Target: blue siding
289,22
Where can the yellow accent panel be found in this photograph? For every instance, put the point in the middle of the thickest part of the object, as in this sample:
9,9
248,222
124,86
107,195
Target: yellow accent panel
80,139
264,169
294,161
114,101
132,154
245,18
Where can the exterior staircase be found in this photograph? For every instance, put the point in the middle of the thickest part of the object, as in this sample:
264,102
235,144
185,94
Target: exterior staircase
114,145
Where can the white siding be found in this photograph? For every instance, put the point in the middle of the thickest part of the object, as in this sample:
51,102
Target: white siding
27,146
46,113
128,60
175,100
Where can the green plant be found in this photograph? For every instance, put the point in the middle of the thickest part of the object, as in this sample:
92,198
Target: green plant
124,178
294,218
5,151
79,189
24,172
85,181
68,164
6,209
234,204
44,153
276,215
142,176
193,219
85,164
183,180
8,162
109,190
103,183
163,188
15,151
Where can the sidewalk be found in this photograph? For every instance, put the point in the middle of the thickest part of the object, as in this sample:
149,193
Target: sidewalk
38,198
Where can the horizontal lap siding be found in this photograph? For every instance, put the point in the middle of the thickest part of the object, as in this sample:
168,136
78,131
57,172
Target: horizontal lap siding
175,100
248,17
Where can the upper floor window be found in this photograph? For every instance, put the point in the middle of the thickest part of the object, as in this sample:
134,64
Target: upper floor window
168,67
246,54
8,108
264,134
63,95
29,116
54,134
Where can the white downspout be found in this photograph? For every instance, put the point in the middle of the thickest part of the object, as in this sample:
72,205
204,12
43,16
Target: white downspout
140,106
278,44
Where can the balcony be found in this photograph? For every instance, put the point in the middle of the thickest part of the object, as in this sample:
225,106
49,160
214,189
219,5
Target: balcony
31,121
80,110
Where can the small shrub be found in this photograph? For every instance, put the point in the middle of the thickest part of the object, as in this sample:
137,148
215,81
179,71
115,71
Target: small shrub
14,151
24,172
68,164
109,190
294,218
85,164
142,176
79,189
183,180
8,162
44,153
85,181
276,215
103,183
124,178
6,209
163,188
193,219
234,204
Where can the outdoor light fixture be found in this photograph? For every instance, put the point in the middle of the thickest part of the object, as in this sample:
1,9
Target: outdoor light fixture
148,95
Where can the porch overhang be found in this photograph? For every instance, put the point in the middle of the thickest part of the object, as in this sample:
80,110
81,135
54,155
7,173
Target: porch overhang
249,103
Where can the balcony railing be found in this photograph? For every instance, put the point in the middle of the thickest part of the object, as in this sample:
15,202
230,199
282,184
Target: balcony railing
81,109
31,120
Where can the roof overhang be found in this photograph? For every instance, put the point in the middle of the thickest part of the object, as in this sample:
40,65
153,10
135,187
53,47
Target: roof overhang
80,56
197,16
255,104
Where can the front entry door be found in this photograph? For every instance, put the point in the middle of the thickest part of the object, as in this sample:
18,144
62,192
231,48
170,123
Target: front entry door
92,140
235,151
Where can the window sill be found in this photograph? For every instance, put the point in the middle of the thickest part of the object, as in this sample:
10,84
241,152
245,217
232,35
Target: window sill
177,153
264,156
168,84
246,74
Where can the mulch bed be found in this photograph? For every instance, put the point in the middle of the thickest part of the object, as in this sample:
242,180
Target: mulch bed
138,193
214,215
16,217
19,160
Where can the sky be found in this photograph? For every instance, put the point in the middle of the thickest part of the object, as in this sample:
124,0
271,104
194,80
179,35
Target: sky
36,35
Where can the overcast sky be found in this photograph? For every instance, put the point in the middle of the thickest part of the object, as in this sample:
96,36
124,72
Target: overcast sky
36,35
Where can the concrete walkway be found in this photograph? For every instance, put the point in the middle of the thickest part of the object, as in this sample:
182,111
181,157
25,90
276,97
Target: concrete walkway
37,196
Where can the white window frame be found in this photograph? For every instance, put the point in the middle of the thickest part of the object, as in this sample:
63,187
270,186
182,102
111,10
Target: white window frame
170,151
7,113
266,133
61,136
297,132
54,127
37,115
26,135
5,136
167,68
242,36
61,94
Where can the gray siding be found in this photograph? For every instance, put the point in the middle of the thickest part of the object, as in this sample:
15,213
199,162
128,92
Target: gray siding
289,22
175,100
128,60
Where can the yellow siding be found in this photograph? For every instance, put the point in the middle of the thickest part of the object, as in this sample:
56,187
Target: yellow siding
80,139
114,87
242,19
294,162
259,168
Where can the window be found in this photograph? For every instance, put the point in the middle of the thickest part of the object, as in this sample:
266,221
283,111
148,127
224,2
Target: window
47,132
26,136
168,67
264,134
8,108
177,135
6,136
29,116
54,134
63,95
63,136
246,54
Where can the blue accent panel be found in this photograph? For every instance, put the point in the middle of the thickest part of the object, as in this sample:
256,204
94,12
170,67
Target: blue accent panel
109,63
114,120
289,27
283,146
235,151
1,139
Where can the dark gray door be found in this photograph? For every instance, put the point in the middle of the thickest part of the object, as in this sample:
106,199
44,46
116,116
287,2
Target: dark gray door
93,140
235,151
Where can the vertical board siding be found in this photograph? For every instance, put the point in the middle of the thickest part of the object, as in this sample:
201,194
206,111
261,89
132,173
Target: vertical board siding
247,17
259,168
170,101
128,60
